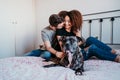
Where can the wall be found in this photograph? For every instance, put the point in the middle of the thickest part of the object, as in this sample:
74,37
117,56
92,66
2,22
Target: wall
26,26
17,27
47,7
7,38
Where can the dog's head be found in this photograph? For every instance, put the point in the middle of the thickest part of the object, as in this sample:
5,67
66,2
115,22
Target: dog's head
69,46
70,43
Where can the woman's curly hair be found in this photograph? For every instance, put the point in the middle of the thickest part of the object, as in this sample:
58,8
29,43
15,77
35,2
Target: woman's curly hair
76,19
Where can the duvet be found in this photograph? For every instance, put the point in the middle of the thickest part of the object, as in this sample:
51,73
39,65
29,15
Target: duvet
30,68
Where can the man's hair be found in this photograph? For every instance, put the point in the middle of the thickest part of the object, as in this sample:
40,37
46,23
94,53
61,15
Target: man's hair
54,20
63,14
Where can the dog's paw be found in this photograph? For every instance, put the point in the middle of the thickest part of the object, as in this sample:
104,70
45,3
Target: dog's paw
78,72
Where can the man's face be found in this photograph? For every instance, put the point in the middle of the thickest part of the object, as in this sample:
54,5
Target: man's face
60,25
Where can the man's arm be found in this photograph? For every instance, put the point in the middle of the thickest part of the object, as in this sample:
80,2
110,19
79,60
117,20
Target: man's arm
46,40
52,50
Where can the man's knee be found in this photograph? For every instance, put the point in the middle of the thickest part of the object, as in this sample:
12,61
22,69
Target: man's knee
46,55
35,52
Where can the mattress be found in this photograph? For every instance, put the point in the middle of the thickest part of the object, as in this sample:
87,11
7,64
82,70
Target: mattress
31,68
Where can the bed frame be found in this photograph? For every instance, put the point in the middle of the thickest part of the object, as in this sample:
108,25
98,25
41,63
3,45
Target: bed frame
103,25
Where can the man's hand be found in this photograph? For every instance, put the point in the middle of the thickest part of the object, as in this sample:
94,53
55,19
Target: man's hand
59,54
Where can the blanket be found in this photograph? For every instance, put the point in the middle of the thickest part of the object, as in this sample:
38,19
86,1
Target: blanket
30,68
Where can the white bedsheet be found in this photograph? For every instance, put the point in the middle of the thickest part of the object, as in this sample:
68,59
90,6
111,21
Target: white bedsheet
30,68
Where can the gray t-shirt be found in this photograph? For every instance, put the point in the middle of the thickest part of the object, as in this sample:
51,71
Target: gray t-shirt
49,35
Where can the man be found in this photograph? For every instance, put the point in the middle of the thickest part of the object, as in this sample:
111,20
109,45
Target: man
49,39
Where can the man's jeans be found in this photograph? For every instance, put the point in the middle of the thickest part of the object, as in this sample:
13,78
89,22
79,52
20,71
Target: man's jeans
98,49
39,53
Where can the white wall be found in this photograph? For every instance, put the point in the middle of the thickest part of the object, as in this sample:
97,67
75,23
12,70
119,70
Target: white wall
26,27
17,27
44,8
7,38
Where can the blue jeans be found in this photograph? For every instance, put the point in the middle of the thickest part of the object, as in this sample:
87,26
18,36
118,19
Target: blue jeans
39,53
98,49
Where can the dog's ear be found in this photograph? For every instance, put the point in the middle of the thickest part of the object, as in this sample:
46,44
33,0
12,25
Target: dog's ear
79,38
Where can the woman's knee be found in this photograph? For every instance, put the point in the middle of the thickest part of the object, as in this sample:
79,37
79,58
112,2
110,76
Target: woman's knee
90,39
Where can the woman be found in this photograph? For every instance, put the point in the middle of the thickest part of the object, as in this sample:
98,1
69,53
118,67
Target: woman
90,47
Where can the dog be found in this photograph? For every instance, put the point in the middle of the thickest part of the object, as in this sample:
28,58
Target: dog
73,57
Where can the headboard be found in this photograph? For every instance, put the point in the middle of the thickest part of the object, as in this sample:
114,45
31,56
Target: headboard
103,25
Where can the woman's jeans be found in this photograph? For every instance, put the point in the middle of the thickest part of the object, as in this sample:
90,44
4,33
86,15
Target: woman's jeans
98,49
39,53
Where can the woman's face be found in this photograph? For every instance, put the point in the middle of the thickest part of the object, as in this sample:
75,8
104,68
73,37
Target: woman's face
67,23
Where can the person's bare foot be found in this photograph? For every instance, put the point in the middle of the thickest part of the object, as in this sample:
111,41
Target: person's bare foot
118,59
118,51
113,51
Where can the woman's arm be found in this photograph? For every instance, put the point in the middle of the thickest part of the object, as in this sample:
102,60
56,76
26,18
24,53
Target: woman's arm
80,38
59,34
59,38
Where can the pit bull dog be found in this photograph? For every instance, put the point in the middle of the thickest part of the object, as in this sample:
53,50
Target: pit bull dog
73,57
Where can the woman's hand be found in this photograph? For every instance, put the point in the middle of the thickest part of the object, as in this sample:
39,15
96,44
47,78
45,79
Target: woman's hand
59,54
77,33
80,43
86,48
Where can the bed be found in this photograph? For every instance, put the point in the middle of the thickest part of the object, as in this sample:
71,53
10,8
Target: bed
30,68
